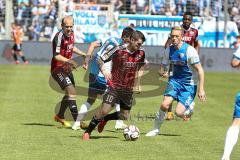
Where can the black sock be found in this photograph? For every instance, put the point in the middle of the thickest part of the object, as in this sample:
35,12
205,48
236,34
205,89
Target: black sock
73,108
15,57
23,59
94,122
112,116
63,107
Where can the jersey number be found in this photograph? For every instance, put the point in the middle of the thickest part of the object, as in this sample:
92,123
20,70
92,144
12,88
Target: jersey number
109,98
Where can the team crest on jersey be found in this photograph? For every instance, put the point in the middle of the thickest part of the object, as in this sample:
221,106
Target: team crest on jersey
69,47
138,57
191,33
181,55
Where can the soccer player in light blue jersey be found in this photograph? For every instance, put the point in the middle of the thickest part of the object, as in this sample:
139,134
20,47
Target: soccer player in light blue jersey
233,131
183,78
97,82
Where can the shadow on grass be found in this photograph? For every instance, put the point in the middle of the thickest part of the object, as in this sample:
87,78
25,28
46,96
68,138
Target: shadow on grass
164,134
38,124
95,137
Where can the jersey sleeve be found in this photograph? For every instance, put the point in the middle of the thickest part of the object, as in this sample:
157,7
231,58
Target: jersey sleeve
192,55
57,41
236,54
107,51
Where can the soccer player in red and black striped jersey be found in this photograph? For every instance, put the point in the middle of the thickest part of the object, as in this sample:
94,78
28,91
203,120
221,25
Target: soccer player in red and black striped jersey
61,66
191,37
127,60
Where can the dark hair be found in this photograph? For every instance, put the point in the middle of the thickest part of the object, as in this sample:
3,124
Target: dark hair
238,37
137,35
127,32
188,14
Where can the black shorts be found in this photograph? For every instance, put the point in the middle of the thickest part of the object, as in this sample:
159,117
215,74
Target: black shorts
17,47
63,79
120,96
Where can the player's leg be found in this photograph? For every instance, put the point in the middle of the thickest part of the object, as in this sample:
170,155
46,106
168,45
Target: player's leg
104,110
20,53
170,115
95,88
233,131
170,94
119,123
160,116
92,96
14,54
66,82
186,103
109,99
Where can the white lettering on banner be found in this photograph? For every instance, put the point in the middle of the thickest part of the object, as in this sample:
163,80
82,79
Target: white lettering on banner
84,14
91,25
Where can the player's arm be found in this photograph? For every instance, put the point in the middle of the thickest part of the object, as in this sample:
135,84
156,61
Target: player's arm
105,72
201,92
236,59
91,48
197,43
57,56
140,72
60,58
164,66
79,52
194,59
106,57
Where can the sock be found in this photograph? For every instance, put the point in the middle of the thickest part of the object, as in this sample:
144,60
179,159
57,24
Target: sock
83,110
117,107
63,107
94,122
112,116
73,108
231,140
159,118
23,59
15,57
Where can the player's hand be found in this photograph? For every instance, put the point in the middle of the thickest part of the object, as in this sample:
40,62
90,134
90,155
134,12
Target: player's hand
73,63
163,74
202,96
138,89
85,63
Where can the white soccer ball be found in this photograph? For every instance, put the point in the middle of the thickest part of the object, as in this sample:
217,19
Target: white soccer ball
131,133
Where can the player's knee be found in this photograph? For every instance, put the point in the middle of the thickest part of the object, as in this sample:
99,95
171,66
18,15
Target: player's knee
164,106
178,113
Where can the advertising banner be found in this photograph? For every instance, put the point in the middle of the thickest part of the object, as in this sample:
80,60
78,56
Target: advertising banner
156,28
89,25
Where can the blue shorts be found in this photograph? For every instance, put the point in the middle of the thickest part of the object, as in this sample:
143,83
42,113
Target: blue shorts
236,113
184,94
96,85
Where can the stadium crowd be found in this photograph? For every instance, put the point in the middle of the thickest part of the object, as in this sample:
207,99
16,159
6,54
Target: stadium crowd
38,17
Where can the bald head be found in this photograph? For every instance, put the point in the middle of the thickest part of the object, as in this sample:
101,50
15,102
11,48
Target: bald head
67,25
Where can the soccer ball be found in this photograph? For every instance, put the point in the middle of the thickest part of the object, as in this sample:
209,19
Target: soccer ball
131,133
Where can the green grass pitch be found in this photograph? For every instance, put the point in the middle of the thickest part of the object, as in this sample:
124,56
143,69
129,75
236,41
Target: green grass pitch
28,132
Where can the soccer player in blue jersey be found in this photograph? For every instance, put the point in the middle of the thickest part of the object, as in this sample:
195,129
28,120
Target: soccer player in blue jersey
97,82
233,131
183,79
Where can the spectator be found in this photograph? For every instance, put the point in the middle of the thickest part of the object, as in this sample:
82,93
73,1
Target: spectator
157,6
2,30
140,6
